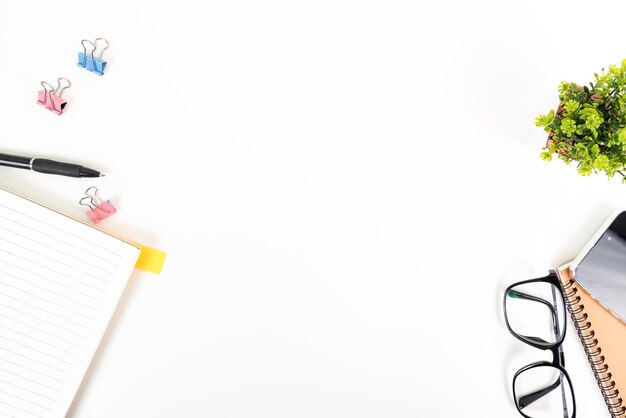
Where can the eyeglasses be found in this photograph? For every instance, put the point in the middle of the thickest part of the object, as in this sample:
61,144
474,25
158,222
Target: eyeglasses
535,313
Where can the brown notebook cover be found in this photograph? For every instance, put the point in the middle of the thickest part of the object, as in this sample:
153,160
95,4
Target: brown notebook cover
603,337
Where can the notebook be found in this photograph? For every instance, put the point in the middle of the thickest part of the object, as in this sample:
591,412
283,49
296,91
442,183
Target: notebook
60,281
603,337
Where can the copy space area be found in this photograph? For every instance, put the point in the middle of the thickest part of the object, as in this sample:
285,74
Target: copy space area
344,190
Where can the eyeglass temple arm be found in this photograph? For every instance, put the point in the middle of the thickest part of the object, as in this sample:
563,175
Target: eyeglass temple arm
526,400
520,295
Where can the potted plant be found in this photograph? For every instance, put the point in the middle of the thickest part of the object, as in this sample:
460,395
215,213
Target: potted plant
589,126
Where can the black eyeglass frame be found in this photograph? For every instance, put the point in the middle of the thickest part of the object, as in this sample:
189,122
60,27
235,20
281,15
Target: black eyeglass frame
558,357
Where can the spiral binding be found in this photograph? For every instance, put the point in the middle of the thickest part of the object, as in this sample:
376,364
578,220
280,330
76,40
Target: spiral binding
593,351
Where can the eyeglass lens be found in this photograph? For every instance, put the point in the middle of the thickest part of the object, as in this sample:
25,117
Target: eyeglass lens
536,313
544,392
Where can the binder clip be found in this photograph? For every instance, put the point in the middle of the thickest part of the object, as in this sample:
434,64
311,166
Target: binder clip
50,97
90,62
98,208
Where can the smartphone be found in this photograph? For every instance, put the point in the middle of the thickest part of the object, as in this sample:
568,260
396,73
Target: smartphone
600,268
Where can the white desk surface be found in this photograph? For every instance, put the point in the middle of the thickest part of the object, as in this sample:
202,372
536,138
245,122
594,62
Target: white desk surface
344,189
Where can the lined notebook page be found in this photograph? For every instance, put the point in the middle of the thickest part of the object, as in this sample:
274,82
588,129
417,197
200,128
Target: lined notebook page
60,281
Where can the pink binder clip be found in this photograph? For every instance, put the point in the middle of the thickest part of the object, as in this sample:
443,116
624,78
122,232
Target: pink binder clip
50,97
98,209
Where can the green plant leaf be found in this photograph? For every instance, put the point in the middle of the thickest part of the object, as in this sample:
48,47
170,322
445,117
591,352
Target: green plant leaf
589,126
584,170
545,120
571,106
601,162
568,126
546,156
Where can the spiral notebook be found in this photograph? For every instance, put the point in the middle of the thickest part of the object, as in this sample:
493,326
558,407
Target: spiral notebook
603,337
60,281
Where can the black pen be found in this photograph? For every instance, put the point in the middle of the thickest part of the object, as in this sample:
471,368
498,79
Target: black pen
42,165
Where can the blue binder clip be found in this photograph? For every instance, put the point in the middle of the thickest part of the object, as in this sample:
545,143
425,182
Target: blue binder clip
89,61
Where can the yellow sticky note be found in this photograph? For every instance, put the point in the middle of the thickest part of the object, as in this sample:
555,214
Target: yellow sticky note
150,259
